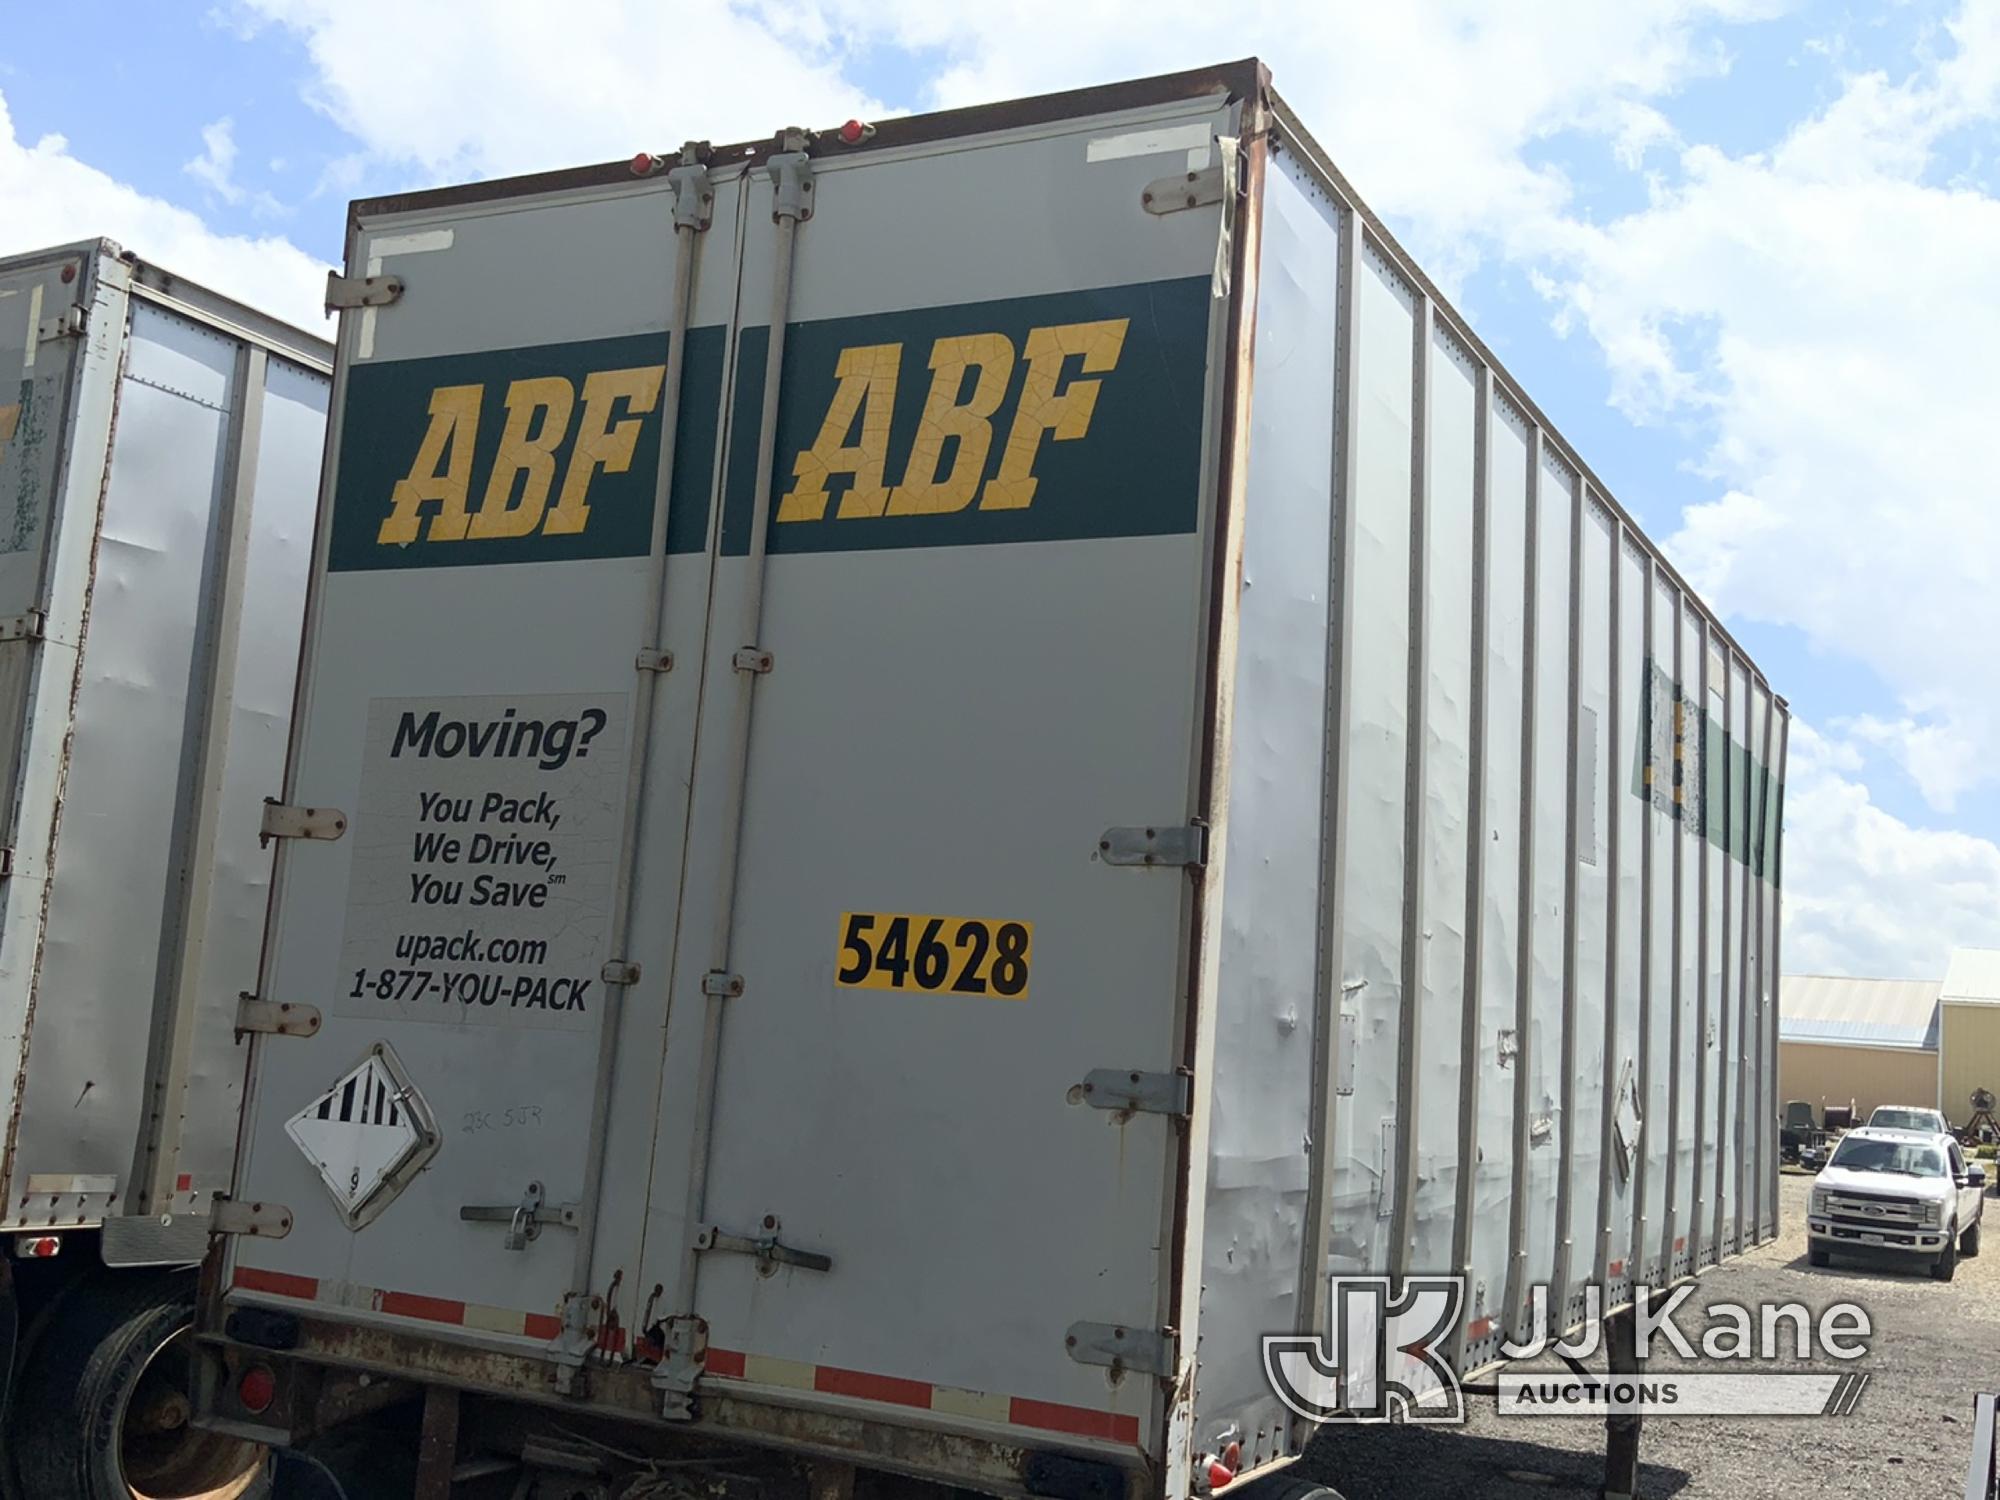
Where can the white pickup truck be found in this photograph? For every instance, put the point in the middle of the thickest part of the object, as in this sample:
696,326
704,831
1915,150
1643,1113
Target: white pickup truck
1901,1190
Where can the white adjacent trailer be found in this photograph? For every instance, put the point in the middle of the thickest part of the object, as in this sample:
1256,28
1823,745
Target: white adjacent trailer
940,766
159,460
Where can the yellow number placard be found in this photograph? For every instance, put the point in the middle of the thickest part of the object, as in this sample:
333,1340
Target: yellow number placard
934,955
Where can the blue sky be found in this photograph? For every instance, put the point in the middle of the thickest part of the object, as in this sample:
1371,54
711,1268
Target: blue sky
1740,251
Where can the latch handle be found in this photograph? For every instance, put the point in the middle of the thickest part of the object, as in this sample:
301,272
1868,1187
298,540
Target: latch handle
524,1220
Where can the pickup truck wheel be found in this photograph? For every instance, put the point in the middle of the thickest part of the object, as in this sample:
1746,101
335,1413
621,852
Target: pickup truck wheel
1819,1258
1968,1243
108,1395
1947,1261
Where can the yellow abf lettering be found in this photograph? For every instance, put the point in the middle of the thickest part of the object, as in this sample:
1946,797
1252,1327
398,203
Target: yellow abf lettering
853,438
536,430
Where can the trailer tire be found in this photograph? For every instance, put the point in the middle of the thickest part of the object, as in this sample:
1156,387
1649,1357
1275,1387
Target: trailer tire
105,1392
1968,1243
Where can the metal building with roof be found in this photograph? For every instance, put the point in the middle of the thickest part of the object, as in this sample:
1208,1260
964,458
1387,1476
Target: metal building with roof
1969,1041
1862,1041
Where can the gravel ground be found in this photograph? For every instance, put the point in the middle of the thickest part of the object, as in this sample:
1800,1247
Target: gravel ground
1934,1345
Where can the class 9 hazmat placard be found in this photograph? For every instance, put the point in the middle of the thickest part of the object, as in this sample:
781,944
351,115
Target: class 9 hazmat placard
486,852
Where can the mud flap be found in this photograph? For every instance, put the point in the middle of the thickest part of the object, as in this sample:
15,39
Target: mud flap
10,1332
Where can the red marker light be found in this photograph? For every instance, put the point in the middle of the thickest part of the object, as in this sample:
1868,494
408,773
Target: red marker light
1232,1457
853,133
643,164
1218,1476
41,1247
257,1389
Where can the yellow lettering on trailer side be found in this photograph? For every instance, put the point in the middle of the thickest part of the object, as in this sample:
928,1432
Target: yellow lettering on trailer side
924,491
866,389
538,413
601,442
440,473
1063,414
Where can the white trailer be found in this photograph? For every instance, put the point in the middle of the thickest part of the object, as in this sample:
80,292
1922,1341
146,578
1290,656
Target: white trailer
159,459
940,766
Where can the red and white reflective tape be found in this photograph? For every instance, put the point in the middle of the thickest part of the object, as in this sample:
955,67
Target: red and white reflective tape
402,1304
722,1364
1012,1411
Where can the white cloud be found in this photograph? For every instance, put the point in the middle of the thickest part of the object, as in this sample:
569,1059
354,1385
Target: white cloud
517,86
49,197
1825,307
216,166
1867,893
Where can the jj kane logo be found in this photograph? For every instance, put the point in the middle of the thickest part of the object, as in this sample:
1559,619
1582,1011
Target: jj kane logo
1399,1350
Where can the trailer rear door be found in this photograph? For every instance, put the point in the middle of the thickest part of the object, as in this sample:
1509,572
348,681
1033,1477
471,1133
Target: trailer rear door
986,608
466,720
907,927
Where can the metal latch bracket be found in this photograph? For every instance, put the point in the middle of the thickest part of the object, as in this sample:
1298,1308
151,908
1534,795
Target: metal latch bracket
751,659
619,971
28,627
791,179
345,292
766,1249
274,1017
524,1220
1186,846
1152,1350
723,986
267,1221
650,660
1149,1093
694,200
282,821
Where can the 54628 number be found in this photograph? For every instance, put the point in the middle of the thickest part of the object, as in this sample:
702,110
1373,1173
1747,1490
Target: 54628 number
937,955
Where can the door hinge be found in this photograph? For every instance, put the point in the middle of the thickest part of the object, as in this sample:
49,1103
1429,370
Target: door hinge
1149,1093
750,659
344,292
650,660
269,1221
1186,846
6,862
1152,1350
28,627
723,986
283,821
766,1249
66,324
274,1017
524,1220
1183,190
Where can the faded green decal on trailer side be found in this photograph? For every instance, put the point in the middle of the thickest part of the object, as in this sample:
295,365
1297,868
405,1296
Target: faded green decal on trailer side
522,455
23,429
1058,417
1692,770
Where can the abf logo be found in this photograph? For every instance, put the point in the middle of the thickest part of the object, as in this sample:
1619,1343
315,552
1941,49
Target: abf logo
536,440
946,464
